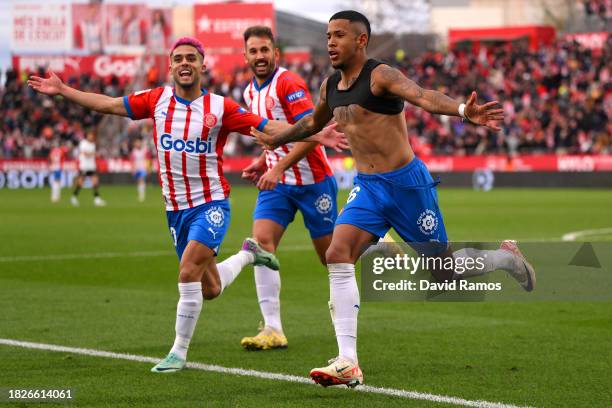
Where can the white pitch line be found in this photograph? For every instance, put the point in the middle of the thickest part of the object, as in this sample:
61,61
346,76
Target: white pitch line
572,236
64,257
67,257
258,374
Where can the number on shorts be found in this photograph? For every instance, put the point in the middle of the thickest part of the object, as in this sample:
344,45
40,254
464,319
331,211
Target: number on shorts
173,233
353,194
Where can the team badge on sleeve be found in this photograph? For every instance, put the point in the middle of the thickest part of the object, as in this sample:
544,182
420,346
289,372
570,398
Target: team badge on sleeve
214,215
296,96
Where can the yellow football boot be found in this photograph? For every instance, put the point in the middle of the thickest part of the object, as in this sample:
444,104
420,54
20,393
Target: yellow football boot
267,339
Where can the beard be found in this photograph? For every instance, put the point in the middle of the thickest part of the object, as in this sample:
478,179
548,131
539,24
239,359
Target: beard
269,68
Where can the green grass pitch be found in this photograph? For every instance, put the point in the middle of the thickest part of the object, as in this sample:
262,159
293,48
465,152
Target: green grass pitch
549,354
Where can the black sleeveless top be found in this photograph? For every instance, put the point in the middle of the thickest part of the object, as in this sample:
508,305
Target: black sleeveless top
359,93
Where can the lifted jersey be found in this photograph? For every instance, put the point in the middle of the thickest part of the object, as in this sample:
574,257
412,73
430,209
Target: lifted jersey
284,96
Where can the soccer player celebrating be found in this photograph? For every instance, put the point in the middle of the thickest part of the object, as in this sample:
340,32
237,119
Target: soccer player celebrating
297,176
87,168
190,129
393,187
140,160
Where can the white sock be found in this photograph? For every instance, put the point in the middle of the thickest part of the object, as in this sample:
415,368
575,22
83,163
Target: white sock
231,267
55,190
141,191
187,313
344,307
491,259
268,284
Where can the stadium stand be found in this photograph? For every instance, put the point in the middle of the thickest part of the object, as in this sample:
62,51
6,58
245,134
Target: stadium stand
558,99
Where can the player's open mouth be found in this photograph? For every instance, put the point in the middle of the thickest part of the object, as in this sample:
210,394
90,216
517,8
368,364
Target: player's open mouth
185,73
333,55
261,65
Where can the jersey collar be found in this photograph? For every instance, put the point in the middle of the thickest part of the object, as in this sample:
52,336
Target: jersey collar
266,82
185,101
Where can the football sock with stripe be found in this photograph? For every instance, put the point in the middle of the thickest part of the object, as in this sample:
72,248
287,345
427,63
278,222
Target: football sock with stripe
230,268
187,314
491,260
268,284
344,307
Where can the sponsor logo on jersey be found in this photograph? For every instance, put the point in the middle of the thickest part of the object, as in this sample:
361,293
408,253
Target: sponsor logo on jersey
198,145
296,96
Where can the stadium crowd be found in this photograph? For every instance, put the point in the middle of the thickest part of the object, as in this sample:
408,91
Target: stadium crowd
557,100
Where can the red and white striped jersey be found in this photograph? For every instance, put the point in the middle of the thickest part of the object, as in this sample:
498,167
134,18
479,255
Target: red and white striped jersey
56,158
139,158
189,138
284,96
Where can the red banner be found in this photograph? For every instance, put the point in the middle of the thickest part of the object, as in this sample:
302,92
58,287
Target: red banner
220,27
438,164
594,41
103,66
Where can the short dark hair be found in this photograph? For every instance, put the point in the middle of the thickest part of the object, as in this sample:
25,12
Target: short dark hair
258,31
354,17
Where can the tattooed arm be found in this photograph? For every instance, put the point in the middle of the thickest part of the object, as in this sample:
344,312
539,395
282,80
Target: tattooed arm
387,80
305,127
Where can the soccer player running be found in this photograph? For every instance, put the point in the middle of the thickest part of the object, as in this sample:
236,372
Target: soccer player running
292,177
191,127
87,168
393,187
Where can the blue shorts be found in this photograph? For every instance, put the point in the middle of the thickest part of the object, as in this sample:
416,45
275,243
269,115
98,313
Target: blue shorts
56,175
206,223
140,174
405,199
316,202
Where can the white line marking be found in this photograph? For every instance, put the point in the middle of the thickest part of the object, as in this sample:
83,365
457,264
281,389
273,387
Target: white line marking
572,236
259,374
66,257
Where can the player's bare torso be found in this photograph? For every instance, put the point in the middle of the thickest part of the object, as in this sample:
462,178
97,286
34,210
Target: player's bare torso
378,142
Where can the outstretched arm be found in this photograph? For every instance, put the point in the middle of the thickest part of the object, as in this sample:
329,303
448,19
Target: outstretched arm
388,80
97,102
305,127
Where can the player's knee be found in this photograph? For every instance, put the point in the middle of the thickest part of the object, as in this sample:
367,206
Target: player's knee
211,291
190,272
266,242
338,254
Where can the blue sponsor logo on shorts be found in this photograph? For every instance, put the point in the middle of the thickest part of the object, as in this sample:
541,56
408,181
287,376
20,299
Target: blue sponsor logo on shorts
297,95
188,146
